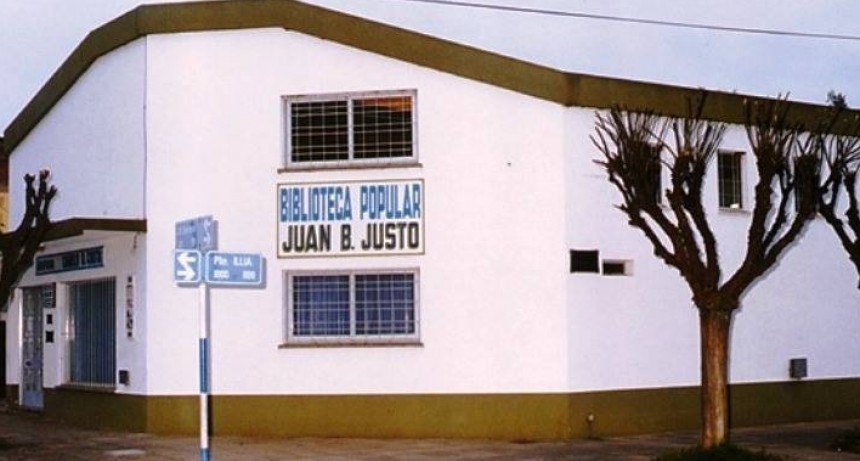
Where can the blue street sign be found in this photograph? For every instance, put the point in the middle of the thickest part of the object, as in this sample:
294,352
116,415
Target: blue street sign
187,266
196,234
234,268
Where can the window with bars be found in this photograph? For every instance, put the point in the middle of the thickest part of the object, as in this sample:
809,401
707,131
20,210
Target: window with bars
355,128
730,179
92,332
352,307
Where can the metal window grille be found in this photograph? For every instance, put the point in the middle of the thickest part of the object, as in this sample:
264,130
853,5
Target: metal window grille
92,331
382,127
385,304
352,306
350,128
319,131
321,305
730,184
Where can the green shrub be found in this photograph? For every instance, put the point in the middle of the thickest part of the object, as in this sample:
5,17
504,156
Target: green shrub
724,452
848,441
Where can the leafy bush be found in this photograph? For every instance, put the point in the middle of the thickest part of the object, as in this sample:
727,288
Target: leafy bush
848,441
724,452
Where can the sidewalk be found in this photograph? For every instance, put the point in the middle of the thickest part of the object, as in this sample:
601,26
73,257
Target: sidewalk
27,436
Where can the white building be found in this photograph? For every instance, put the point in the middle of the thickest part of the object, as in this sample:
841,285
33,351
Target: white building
294,127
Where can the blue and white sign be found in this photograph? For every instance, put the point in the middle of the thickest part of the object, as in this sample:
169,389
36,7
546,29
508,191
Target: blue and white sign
234,268
351,218
196,234
187,266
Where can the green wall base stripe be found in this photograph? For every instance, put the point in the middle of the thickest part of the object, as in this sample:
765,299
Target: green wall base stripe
97,410
493,416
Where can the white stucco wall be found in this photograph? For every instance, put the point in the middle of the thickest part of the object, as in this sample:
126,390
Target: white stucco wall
642,331
92,141
491,280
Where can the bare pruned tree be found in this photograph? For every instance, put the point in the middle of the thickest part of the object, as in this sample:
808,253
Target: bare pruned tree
679,231
842,156
19,247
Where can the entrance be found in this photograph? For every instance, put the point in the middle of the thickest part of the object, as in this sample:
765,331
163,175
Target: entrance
36,299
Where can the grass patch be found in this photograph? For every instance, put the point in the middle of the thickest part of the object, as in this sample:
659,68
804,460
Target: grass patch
847,441
725,452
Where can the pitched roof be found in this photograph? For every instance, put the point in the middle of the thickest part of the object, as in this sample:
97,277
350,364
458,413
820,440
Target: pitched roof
570,89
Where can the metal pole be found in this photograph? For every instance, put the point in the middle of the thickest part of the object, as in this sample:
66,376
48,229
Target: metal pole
204,372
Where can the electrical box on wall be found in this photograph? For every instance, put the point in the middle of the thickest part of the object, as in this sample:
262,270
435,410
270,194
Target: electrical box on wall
797,368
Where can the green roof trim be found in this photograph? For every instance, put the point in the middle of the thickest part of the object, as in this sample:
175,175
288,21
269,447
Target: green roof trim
542,82
73,227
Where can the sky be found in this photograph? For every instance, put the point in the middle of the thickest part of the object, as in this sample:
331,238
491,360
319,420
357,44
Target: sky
37,35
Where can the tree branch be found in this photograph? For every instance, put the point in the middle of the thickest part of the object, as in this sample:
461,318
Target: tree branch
19,247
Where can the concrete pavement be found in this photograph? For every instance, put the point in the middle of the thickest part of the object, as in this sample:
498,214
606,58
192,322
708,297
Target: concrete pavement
33,437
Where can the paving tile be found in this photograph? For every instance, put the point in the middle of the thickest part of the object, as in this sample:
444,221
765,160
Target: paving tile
34,437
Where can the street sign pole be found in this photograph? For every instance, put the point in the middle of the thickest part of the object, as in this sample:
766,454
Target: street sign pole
196,263
195,237
204,372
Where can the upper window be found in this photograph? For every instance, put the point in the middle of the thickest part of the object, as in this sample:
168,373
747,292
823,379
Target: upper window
656,171
347,129
730,183
357,307
652,166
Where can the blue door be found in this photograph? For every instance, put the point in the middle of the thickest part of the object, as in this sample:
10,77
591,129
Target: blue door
35,300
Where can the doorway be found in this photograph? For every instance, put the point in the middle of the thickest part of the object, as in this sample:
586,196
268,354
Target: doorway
36,299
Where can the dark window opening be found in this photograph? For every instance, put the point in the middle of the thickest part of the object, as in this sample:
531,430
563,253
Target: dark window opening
615,268
584,261
729,174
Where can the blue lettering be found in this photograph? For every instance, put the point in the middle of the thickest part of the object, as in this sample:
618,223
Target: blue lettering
338,196
416,200
313,204
330,208
284,196
296,199
347,205
380,200
407,203
364,205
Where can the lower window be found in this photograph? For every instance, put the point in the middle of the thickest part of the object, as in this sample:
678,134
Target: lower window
357,307
92,329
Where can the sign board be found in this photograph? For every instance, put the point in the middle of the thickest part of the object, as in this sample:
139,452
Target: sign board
234,268
196,234
351,218
187,266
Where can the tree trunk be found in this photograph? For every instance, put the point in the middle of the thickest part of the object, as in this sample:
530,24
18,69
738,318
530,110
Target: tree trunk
715,325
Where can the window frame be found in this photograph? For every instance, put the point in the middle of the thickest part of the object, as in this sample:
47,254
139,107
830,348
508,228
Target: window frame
352,339
738,188
287,102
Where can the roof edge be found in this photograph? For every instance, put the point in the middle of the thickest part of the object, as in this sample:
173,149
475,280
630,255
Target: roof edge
73,227
532,79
